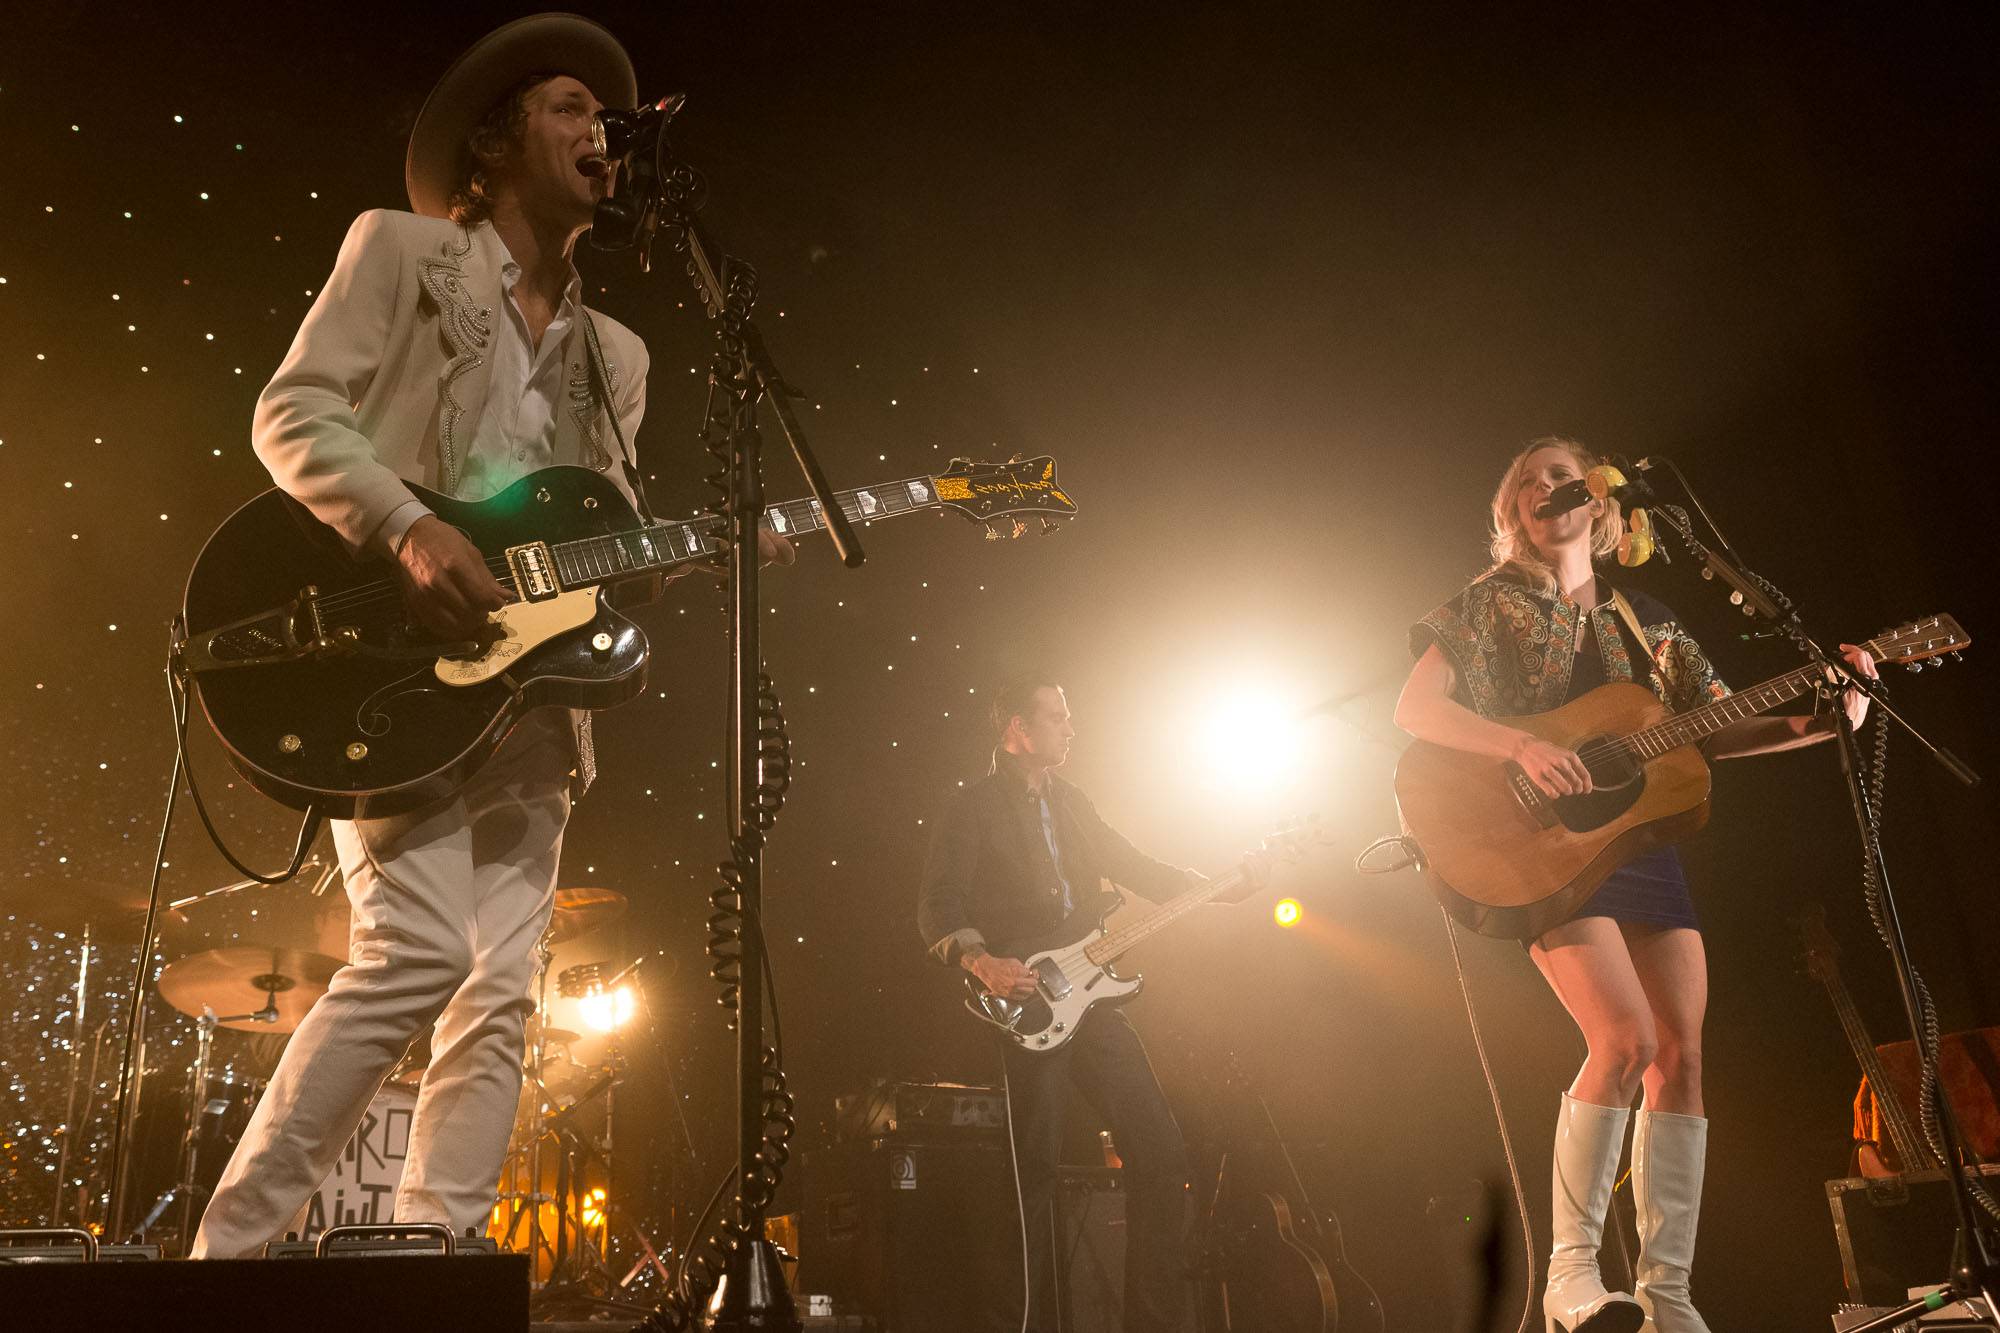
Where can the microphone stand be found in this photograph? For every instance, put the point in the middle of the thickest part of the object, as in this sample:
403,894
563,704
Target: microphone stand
1974,1268
659,190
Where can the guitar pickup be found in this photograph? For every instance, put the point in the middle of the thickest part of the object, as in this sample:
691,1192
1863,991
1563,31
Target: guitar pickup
534,571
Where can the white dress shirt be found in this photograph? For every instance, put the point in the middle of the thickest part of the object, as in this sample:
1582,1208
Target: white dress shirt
517,428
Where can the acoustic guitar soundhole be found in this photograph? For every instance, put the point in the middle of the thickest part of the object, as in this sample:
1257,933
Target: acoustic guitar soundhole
1616,780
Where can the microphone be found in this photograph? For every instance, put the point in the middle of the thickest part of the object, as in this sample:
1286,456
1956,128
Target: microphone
1604,482
1609,482
619,133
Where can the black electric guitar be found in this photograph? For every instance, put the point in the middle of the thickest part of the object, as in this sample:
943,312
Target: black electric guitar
324,694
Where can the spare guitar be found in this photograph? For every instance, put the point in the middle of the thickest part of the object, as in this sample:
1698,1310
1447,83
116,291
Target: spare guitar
1073,977
1906,1143
323,694
1508,861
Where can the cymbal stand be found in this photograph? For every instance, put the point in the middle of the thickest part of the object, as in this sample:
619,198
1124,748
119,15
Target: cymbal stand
75,1069
534,1198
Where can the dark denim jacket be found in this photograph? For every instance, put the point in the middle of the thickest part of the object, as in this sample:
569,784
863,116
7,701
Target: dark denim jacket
989,879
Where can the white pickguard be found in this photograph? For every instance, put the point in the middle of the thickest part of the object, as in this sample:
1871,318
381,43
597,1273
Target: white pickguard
527,625
1069,985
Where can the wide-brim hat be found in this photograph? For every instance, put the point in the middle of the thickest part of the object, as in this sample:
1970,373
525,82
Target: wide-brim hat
561,43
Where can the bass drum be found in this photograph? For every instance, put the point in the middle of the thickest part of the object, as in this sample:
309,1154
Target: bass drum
362,1188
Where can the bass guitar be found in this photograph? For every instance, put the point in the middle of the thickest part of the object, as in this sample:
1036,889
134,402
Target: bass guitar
1507,860
1072,978
324,694
1906,1149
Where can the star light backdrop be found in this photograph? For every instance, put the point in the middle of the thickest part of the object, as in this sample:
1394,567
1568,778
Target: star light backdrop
1280,290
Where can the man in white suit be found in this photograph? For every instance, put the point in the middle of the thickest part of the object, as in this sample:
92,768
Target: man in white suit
450,347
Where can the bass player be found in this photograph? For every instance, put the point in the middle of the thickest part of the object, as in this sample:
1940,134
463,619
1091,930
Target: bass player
1014,858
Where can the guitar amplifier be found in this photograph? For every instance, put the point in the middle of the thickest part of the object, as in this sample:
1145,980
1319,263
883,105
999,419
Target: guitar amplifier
920,1236
1895,1233
934,1111
1090,1248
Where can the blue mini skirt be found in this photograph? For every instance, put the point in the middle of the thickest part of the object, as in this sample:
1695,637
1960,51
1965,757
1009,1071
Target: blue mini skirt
1650,890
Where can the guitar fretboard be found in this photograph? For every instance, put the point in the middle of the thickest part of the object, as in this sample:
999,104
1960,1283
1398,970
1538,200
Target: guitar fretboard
1700,723
1106,951
591,560
1911,1149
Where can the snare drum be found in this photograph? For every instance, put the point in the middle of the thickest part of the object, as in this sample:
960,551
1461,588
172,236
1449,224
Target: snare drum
362,1188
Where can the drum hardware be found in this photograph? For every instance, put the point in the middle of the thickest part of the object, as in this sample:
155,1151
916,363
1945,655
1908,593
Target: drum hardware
579,911
286,981
75,1070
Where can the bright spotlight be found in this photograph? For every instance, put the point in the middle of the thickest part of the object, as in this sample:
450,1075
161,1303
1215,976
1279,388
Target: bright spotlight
1287,912
606,1011
1251,740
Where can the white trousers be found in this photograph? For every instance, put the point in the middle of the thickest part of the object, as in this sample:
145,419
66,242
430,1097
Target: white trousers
449,903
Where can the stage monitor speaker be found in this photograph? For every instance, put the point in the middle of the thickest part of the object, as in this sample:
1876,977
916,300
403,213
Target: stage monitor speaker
417,1294
922,1236
1895,1233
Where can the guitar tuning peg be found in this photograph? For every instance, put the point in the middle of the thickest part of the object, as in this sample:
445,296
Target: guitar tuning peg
1019,528
1915,667
1017,458
957,462
992,533
1049,525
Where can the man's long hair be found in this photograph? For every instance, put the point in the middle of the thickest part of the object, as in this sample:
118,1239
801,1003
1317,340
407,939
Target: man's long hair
486,149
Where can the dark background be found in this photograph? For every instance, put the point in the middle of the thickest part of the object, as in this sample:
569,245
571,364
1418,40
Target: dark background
1282,290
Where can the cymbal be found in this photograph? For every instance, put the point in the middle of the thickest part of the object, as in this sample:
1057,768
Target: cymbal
580,911
239,981
554,1036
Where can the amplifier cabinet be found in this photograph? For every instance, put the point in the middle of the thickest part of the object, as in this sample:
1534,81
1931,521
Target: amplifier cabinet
1895,1232
921,1236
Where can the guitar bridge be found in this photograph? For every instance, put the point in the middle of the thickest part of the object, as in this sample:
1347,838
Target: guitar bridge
1530,797
284,634
534,571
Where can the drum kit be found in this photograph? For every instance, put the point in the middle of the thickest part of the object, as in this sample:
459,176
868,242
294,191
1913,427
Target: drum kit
245,962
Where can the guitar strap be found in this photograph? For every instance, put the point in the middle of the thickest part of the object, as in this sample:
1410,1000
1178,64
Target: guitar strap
595,355
1631,619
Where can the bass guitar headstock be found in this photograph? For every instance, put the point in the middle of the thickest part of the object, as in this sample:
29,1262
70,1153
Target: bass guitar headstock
1000,494
1822,953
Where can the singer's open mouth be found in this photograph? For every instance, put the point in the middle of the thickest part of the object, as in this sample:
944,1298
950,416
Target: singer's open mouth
594,167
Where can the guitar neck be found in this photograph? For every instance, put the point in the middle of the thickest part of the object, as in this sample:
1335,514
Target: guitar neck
1699,724
1106,951
1911,1150
657,547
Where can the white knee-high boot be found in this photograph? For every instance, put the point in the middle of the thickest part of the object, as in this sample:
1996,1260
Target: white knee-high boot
1588,1140
1668,1155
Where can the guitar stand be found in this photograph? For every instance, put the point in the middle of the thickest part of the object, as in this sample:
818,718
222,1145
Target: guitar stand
654,188
1973,1266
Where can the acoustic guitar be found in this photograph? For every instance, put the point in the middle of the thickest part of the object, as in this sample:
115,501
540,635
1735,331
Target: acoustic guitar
324,694
1509,861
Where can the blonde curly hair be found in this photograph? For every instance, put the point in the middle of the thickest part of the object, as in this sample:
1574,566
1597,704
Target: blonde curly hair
1509,541
487,148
